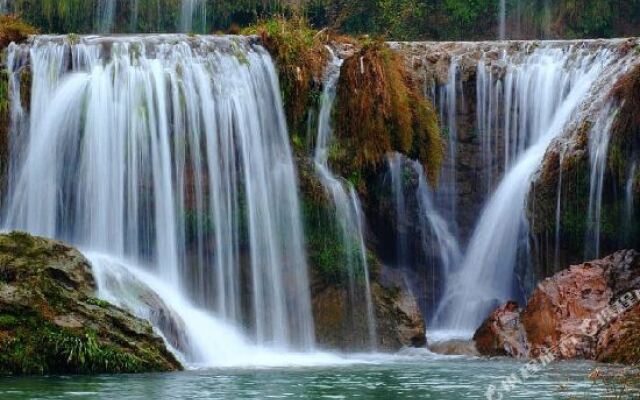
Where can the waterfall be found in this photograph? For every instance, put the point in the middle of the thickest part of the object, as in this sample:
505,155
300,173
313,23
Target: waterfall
396,163
439,247
556,256
487,94
134,16
106,13
630,195
502,30
598,149
446,193
193,11
543,90
348,212
171,153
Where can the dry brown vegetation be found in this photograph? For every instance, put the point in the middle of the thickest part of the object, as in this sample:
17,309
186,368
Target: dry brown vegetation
12,29
380,109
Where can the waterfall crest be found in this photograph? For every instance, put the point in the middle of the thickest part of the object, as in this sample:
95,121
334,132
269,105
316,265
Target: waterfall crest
170,152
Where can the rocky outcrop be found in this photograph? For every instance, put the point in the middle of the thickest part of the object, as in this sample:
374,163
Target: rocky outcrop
51,321
341,318
502,334
620,341
588,311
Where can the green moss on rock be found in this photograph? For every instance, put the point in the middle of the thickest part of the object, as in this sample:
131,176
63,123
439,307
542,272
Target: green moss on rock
52,323
300,56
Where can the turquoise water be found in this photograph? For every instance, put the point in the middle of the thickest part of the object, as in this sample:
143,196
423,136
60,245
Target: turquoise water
379,377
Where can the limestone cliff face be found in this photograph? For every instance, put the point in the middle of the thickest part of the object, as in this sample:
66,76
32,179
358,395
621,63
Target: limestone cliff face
51,321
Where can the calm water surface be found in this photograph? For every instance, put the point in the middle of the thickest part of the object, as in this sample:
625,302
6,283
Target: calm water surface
373,377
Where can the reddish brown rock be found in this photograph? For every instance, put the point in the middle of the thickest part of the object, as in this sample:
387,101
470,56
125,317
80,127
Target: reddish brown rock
588,311
502,334
620,341
559,306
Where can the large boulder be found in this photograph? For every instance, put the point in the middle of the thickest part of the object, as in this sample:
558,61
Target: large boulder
51,321
502,334
588,311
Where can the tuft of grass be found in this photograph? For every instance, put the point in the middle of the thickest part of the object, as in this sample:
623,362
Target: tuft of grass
300,56
380,110
12,29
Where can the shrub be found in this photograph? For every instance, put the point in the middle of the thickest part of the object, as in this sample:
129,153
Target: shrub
380,110
12,29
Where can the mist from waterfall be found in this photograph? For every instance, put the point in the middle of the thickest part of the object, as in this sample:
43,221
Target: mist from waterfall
170,155
348,211
533,102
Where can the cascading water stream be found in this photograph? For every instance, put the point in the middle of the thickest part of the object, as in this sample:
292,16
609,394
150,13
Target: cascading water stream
556,256
155,150
599,138
193,12
438,244
348,212
544,89
446,192
106,14
502,28
630,194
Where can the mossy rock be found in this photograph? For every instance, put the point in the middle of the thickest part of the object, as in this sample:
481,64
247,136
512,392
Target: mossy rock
52,323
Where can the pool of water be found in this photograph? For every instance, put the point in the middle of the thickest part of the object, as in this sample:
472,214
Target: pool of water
416,376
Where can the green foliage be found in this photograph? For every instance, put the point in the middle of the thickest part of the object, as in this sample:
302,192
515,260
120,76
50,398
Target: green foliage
8,321
468,11
329,256
98,302
51,322
33,346
395,19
